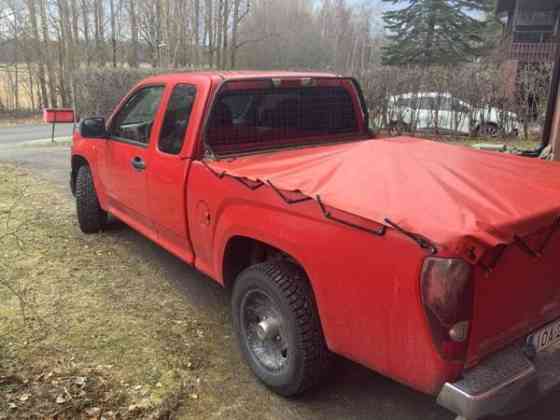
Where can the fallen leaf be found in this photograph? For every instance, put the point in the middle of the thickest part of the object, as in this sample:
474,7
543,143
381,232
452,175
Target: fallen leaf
80,380
24,397
93,411
12,406
60,399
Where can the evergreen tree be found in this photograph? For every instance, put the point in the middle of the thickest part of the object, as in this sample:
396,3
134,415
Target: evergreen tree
434,31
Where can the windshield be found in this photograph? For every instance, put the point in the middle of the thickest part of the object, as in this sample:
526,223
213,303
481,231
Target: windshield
248,120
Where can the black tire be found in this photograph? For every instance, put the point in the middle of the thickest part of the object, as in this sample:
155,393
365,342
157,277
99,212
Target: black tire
91,217
396,128
488,130
306,357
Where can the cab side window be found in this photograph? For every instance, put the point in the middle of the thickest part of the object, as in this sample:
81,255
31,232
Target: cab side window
135,119
176,119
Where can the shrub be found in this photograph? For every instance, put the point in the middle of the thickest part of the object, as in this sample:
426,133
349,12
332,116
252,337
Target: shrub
99,90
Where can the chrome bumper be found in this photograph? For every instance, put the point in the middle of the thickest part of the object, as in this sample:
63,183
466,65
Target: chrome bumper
505,382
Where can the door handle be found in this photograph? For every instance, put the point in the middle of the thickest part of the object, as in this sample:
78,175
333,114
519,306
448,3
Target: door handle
138,163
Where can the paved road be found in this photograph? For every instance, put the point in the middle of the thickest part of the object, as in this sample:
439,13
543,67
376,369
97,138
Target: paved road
22,133
353,392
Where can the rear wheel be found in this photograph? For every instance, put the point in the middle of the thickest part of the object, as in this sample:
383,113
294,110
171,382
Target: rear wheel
396,128
488,130
91,217
278,328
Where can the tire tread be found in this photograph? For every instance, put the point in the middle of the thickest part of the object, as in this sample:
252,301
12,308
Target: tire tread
91,217
293,285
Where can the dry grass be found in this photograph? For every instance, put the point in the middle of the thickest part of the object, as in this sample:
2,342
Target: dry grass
85,328
510,142
7,120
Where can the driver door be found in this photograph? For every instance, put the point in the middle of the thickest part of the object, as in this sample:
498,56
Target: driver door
130,132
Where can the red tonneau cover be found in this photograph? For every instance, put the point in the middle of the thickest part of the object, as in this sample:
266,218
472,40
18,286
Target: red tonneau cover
459,198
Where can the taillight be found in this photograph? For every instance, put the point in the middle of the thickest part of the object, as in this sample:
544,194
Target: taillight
447,295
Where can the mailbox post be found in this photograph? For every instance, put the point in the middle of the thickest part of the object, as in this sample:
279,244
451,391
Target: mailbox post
58,115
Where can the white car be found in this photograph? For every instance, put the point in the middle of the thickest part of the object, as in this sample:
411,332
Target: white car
446,114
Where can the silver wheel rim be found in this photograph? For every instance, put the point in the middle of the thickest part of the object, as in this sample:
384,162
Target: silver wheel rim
263,330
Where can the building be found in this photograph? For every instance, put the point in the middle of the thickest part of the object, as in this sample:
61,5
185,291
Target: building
532,35
532,29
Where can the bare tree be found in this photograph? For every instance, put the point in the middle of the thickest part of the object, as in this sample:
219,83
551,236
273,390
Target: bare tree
36,41
133,52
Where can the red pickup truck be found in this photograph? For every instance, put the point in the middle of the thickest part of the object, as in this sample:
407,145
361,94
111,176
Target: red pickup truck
435,265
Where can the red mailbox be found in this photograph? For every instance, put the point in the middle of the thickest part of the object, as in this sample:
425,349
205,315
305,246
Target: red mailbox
58,115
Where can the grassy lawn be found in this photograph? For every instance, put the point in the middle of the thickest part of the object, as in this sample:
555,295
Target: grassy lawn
86,330
510,143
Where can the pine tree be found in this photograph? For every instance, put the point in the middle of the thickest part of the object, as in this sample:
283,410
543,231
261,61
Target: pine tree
434,31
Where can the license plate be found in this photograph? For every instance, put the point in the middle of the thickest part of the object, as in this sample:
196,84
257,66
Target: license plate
546,336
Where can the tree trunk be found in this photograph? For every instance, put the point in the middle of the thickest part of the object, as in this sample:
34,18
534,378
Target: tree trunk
209,25
196,33
234,28
47,54
429,41
99,17
31,5
113,33
133,55
85,19
225,34
219,33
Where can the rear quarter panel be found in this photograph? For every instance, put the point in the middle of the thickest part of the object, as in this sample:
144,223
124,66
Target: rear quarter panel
366,286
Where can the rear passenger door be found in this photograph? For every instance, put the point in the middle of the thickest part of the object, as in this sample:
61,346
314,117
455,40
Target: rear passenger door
168,173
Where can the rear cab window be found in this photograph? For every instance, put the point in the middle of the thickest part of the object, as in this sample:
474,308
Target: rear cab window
176,119
264,117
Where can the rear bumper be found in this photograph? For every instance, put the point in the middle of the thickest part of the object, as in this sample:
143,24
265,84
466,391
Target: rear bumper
506,382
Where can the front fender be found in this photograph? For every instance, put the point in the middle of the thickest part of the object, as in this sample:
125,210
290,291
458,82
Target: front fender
91,152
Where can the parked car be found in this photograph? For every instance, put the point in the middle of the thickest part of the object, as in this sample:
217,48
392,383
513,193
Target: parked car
432,264
429,111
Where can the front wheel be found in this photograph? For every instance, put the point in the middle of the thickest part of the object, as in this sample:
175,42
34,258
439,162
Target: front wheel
91,217
278,328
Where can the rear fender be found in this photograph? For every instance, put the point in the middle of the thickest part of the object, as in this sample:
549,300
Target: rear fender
277,228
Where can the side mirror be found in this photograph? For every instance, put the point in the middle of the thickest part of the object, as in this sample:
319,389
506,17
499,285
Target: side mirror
93,128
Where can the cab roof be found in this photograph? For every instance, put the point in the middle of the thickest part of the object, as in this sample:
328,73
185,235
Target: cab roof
217,75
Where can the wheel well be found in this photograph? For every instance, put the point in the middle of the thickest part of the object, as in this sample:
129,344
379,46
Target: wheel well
77,163
242,252
482,124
